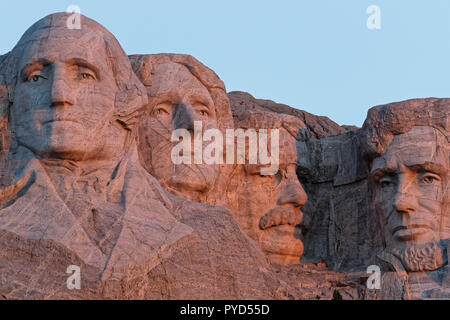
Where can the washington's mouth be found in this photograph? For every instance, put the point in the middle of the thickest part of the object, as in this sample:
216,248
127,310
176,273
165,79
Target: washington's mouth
411,231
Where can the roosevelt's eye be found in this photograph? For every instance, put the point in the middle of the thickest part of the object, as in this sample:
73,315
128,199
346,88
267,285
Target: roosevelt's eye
429,179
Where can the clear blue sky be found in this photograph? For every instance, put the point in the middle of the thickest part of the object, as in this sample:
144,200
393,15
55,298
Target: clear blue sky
316,55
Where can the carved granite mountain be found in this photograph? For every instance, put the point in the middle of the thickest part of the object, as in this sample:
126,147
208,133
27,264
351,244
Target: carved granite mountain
86,181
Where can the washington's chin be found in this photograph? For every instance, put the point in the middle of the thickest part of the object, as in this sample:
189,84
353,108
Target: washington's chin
282,244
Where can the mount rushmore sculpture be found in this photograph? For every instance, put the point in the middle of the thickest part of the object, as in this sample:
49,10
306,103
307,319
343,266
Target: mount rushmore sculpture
89,179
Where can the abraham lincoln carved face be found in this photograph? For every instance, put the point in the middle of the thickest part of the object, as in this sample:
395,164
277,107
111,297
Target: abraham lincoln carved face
410,185
407,148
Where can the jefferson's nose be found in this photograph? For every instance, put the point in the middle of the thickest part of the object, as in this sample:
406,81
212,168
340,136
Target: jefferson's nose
293,193
184,117
61,93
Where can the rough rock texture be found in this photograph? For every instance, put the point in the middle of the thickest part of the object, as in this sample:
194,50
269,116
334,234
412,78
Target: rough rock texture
318,126
68,199
87,180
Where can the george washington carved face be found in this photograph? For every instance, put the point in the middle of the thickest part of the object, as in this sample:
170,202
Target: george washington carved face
65,93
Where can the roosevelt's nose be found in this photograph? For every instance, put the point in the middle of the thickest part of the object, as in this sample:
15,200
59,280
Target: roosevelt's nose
405,202
61,93
293,193
185,117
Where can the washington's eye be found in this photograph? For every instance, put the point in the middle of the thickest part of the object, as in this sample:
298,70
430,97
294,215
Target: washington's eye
203,113
34,77
87,76
429,179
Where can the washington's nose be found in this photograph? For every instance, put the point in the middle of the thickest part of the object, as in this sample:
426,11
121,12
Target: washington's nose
294,194
185,117
61,94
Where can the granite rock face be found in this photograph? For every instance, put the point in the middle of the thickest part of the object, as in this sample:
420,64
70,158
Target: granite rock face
95,203
318,126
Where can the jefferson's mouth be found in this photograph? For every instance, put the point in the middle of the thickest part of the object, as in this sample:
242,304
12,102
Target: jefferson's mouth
411,231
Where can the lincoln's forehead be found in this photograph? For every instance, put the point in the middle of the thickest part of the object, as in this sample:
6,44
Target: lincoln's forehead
419,146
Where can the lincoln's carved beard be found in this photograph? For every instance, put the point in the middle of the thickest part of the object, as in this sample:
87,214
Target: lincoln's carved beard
428,257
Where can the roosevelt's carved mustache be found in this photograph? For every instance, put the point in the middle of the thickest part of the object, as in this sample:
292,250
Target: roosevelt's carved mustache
280,216
411,226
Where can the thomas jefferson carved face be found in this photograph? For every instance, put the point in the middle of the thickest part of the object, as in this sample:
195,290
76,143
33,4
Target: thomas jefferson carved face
268,206
411,182
65,96
177,99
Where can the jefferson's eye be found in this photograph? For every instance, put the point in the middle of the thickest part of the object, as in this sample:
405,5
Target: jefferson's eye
160,111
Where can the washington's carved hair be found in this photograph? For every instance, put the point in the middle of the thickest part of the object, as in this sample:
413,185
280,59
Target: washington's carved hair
130,97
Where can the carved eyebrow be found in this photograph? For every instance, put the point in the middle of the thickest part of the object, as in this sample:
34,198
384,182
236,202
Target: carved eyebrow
203,100
379,172
432,167
40,63
85,64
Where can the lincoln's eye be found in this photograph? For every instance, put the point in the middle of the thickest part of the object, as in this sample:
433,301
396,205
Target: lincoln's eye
385,182
429,179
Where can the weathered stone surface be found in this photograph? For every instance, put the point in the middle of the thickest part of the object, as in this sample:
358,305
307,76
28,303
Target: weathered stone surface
75,193
87,179
406,146
318,126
